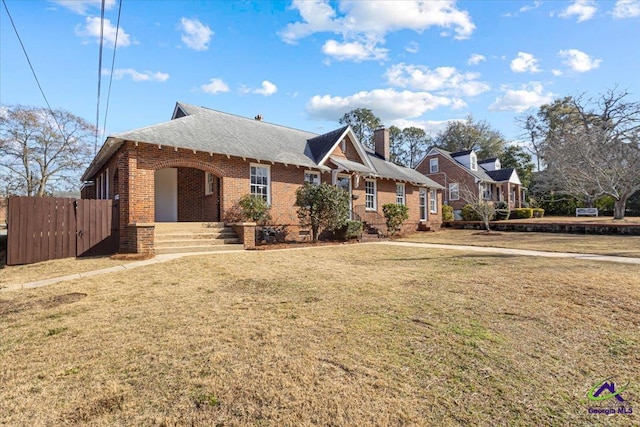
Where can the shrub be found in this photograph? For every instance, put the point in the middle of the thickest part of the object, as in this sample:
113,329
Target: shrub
447,213
469,213
521,213
538,212
322,207
502,211
272,234
395,215
351,230
254,208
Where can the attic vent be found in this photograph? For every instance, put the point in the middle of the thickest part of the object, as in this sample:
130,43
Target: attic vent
258,117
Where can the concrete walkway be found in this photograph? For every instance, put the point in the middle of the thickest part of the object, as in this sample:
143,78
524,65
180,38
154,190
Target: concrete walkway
169,257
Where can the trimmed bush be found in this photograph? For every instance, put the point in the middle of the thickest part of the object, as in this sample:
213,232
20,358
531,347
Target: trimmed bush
351,230
470,214
447,213
502,211
521,213
254,208
538,212
395,215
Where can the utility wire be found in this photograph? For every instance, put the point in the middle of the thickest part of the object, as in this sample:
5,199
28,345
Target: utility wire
113,63
32,69
95,144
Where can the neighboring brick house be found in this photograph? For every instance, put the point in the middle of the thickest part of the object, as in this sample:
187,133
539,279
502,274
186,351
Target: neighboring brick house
462,171
195,168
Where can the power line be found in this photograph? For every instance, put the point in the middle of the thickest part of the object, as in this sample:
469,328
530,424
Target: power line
95,144
113,63
31,67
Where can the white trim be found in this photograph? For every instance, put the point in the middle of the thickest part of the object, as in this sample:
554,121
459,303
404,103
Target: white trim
268,185
423,201
437,165
310,172
433,197
207,188
343,175
357,144
403,195
457,186
375,195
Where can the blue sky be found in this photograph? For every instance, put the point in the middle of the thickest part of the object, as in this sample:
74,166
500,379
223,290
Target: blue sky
303,64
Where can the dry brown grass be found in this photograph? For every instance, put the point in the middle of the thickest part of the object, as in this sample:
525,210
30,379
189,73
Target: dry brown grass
17,274
342,336
579,243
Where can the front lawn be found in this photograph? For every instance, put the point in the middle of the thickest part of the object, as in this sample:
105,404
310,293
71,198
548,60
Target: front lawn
349,335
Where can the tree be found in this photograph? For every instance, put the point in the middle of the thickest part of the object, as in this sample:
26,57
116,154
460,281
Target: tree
592,148
396,150
483,208
42,150
471,135
414,146
322,207
394,216
364,123
516,157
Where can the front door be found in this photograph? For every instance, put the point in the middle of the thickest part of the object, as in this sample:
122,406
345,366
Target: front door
166,195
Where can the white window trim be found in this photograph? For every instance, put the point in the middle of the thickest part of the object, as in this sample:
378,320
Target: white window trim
404,194
423,197
375,195
432,164
310,172
473,161
268,168
457,187
433,197
207,188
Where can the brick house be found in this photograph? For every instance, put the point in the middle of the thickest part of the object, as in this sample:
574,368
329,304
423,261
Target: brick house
195,168
462,171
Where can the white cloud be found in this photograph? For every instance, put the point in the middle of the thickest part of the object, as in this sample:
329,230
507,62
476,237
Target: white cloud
92,29
267,89
528,7
388,104
583,9
626,9
365,23
355,51
214,86
556,72
519,100
579,61
412,47
82,6
195,35
475,59
525,62
445,79
137,76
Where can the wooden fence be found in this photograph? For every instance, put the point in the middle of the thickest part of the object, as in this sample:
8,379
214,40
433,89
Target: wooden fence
44,228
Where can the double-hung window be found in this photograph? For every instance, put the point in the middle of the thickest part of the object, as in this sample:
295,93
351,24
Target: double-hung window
312,177
400,199
454,191
102,185
370,194
433,165
433,201
260,176
423,204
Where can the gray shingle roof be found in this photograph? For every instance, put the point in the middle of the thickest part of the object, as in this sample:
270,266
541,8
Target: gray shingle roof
400,173
351,166
480,173
501,174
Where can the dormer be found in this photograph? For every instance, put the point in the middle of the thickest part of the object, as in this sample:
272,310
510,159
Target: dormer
468,159
492,164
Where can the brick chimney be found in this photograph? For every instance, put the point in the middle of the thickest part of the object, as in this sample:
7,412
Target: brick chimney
381,142
258,117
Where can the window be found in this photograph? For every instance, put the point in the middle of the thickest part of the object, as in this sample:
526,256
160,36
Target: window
454,191
486,191
433,201
433,165
423,204
473,160
311,177
260,181
370,195
102,185
400,194
209,183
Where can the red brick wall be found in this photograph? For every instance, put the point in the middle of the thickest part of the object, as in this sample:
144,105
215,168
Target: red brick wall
190,195
448,172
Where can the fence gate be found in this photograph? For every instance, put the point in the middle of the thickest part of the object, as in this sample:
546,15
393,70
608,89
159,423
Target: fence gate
44,228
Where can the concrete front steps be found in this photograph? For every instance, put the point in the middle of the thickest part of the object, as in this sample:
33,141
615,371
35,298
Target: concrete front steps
183,237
